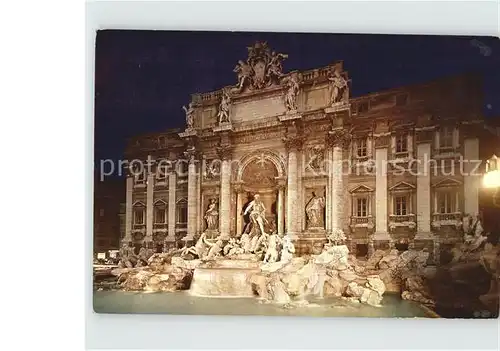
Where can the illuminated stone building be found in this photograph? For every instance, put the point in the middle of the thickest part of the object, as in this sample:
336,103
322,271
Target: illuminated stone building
383,168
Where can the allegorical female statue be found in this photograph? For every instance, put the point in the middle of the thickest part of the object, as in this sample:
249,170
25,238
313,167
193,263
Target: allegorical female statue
189,115
314,211
212,215
338,87
223,115
257,213
292,91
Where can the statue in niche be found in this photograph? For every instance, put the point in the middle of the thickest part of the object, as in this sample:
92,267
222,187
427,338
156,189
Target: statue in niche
189,115
292,91
314,211
223,115
257,212
212,215
338,86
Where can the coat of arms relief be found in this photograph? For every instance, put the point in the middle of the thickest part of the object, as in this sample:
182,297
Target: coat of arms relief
262,68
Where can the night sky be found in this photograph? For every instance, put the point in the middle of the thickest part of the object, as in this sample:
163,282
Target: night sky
144,77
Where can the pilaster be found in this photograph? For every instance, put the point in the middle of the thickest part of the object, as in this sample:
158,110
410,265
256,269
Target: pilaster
149,206
172,188
128,208
381,212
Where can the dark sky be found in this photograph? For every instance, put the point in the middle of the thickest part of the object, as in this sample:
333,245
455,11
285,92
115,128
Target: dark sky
144,77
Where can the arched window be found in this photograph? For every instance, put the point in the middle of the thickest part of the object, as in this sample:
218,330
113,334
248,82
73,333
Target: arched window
160,212
139,213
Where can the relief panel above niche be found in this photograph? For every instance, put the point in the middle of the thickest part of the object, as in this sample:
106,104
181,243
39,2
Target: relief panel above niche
258,109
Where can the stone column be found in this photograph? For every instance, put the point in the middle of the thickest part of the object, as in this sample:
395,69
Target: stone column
172,188
192,199
279,206
381,215
239,208
128,209
336,140
293,144
225,191
149,206
423,191
471,180
337,190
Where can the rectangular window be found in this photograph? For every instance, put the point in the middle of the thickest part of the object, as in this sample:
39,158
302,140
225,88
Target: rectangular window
160,214
446,202
362,207
182,214
446,137
362,151
402,143
139,216
101,212
400,203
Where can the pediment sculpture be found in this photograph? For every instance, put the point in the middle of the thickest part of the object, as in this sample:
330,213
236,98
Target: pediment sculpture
262,68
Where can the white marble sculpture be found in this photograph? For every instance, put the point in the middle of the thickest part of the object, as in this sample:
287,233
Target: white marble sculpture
189,115
224,106
287,250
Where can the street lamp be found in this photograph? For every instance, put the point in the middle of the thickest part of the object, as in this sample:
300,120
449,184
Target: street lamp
491,177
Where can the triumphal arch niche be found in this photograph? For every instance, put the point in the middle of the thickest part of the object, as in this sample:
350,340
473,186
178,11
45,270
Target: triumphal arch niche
273,141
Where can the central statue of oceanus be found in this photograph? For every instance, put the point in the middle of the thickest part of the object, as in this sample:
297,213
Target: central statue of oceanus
257,213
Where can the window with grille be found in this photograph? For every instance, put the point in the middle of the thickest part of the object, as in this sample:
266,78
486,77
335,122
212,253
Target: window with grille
446,137
400,203
362,207
160,214
446,202
362,150
139,215
402,143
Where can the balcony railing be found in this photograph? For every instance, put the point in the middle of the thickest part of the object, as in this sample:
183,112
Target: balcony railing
362,222
138,227
402,218
447,219
160,226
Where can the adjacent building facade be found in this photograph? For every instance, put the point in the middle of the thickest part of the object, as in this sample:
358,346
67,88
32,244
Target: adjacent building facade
398,168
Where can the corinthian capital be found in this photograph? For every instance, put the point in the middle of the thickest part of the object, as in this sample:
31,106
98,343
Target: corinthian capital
293,142
224,151
338,138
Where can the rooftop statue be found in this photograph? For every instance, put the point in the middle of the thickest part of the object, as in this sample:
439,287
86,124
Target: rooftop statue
262,68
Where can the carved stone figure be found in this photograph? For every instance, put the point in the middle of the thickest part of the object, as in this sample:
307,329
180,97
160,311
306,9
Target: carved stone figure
143,256
257,212
261,69
127,257
198,249
272,248
292,91
246,243
275,70
212,215
244,71
314,211
316,158
215,249
189,115
338,87
287,250
225,104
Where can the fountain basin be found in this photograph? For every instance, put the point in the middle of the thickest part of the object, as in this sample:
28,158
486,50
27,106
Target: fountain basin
224,278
